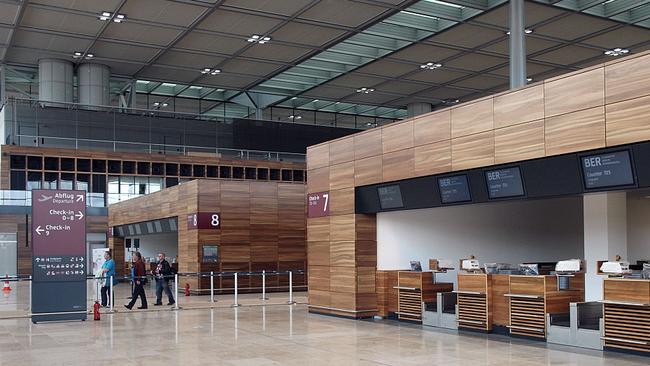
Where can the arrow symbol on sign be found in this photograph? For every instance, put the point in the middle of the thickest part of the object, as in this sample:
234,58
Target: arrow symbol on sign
39,230
79,215
80,198
44,198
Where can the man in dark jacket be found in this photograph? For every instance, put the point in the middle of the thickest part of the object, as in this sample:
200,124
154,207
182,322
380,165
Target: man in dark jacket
163,273
139,276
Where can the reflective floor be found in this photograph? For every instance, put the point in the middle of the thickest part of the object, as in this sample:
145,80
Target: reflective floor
269,335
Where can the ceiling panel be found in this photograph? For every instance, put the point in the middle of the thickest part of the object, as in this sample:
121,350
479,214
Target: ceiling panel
128,31
444,93
343,12
535,13
355,81
94,6
244,25
389,68
122,68
438,76
475,62
241,66
467,35
282,7
228,81
372,98
568,55
533,45
574,26
622,37
122,51
532,68
190,60
4,35
481,82
25,56
162,11
212,43
168,74
275,52
402,87
61,21
306,34
8,13
329,92
423,53
65,45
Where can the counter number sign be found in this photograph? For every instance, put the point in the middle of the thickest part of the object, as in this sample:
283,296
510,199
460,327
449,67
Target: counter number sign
318,204
204,221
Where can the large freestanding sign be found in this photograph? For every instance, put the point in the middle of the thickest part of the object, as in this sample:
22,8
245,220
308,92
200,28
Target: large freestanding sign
58,255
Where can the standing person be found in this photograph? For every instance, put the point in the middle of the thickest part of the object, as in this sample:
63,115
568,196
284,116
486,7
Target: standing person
162,272
108,272
138,282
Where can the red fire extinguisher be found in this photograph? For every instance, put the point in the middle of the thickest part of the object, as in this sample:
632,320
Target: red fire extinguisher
96,312
187,289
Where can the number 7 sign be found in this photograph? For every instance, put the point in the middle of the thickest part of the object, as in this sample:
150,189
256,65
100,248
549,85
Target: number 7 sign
318,204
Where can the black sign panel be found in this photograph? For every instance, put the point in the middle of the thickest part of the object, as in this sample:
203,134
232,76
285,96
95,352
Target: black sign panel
390,197
610,169
454,189
506,182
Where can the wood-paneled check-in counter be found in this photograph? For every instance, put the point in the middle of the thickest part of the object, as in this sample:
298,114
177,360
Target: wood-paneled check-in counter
532,297
601,106
481,301
627,314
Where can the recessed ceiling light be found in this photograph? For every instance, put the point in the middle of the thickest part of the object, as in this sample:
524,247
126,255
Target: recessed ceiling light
220,90
365,90
104,16
256,38
316,100
79,54
294,98
527,31
169,85
215,72
159,104
431,66
529,79
295,117
196,87
89,55
206,70
451,101
617,52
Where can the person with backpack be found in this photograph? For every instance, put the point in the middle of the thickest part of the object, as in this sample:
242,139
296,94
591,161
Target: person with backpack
163,273
139,277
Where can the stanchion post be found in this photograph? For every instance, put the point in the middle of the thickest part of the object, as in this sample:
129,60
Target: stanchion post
236,304
176,291
211,286
111,298
30,294
290,289
264,285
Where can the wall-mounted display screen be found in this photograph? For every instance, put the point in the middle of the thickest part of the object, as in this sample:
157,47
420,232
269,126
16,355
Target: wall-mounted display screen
506,182
454,189
607,170
390,197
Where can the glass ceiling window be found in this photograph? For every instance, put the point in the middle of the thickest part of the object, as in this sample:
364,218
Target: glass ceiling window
636,12
421,20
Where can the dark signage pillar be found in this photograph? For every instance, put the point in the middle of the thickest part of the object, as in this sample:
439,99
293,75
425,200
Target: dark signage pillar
58,255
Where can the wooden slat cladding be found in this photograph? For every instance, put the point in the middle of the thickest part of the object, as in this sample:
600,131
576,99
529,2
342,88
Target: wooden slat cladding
262,224
564,114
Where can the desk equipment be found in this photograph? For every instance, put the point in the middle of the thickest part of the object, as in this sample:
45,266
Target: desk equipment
616,268
627,314
568,266
470,265
416,266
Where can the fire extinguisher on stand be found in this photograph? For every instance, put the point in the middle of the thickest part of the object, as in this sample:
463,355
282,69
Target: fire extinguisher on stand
187,289
96,313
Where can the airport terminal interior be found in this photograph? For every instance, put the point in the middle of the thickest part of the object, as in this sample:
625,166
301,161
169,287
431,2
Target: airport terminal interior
320,182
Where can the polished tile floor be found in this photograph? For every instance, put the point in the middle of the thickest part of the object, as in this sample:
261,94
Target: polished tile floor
269,335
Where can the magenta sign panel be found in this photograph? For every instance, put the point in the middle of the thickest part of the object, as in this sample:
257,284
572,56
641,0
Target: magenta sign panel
318,204
204,221
59,235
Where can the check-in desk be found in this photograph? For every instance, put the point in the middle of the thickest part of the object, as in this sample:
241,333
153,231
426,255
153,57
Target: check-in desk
414,289
481,301
627,314
533,297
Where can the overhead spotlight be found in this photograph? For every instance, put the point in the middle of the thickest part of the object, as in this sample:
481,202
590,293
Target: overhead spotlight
89,55
256,38
295,117
617,52
215,72
294,98
119,18
451,101
159,104
206,70
431,66
526,31
79,54
316,100
365,90
529,79
104,16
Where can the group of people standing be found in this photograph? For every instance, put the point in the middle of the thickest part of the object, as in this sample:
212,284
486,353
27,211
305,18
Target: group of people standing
162,273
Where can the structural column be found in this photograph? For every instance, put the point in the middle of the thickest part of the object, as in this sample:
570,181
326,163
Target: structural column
517,44
605,236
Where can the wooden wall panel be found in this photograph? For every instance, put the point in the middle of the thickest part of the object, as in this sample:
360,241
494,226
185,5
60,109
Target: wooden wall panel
432,128
472,151
576,131
318,156
519,142
366,253
432,158
342,253
342,201
318,253
368,171
575,92
523,105
341,176
472,118
319,278
342,228
397,136
628,121
627,79
341,151
318,180
398,165
367,144
343,279
318,229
